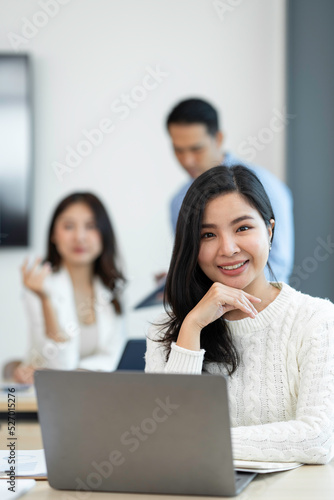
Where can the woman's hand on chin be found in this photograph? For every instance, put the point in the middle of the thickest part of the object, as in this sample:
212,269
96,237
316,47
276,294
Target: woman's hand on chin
218,300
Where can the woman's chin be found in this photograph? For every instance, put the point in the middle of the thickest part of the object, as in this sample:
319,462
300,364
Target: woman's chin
239,282
79,260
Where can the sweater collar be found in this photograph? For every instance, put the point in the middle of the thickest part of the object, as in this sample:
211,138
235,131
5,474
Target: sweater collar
268,316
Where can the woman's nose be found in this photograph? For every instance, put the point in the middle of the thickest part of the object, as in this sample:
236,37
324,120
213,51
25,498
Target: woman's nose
228,246
80,234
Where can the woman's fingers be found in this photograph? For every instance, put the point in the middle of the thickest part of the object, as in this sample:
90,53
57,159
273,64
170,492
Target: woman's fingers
250,305
237,299
246,307
219,300
25,263
46,269
35,265
28,270
34,277
251,297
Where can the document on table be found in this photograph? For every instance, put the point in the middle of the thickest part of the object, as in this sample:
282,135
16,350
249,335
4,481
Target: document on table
31,464
264,467
4,386
21,487
22,391
28,463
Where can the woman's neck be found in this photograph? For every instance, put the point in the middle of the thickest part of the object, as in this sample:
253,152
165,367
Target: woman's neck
81,276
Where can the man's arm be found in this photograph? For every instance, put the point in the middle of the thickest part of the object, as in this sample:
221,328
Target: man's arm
281,256
176,203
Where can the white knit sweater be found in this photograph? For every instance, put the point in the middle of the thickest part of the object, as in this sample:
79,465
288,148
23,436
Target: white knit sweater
282,394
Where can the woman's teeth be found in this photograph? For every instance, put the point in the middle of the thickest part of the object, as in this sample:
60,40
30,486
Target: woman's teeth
233,267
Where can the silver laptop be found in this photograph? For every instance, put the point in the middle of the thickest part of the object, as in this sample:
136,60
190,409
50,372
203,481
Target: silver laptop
137,432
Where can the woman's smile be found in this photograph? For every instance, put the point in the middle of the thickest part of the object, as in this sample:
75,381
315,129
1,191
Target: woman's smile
234,269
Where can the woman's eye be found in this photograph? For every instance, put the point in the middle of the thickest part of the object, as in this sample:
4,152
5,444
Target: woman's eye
243,228
207,235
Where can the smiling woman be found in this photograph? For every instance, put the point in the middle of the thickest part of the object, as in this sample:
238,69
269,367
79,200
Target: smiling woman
72,299
276,345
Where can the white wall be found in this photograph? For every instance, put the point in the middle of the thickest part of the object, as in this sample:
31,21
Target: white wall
88,55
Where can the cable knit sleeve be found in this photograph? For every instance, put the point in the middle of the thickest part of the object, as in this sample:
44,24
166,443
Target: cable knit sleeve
309,438
180,360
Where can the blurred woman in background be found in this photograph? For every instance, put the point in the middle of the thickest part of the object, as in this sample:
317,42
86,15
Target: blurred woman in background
72,298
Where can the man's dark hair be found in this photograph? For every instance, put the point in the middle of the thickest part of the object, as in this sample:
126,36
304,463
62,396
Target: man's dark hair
194,111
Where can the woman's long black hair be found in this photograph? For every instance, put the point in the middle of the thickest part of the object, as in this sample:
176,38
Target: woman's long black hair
106,266
186,283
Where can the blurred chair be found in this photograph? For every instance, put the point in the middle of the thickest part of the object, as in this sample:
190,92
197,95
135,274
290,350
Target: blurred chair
133,357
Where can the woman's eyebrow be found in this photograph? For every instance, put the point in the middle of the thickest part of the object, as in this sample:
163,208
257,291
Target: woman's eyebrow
243,217
66,218
235,221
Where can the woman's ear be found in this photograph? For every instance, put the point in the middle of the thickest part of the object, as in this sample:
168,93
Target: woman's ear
270,228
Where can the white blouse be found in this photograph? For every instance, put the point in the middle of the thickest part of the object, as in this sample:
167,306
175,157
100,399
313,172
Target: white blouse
93,347
88,340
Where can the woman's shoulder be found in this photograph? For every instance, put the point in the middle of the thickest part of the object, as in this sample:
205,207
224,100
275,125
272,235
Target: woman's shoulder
102,292
156,350
119,291
307,306
158,327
